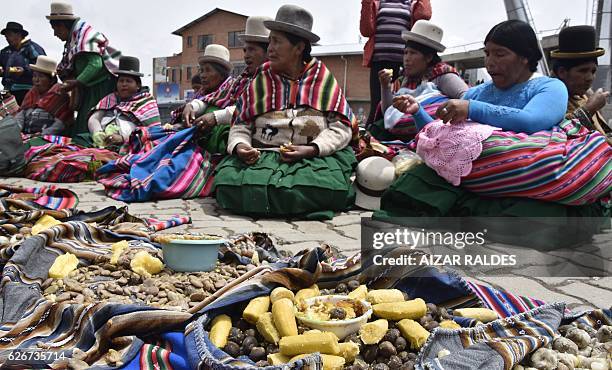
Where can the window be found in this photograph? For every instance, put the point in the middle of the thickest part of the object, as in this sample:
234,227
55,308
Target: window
232,39
173,75
180,74
203,41
189,41
238,68
188,73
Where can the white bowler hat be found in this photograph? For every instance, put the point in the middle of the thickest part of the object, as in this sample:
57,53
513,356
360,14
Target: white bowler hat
44,64
374,176
255,30
425,33
61,10
294,20
215,53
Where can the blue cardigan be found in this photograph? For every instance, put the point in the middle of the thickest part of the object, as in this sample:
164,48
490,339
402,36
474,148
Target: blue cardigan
531,106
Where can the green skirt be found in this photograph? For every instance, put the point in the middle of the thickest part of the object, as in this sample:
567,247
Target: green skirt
311,188
420,192
215,139
90,97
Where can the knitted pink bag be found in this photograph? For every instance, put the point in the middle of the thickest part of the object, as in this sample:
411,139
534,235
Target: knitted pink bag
450,149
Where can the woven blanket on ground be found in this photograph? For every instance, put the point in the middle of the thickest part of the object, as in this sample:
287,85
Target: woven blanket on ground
142,107
85,39
316,88
176,167
568,165
30,198
54,162
53,101
319,265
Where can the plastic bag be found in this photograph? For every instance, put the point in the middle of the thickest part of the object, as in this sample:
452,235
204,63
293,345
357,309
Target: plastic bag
404,161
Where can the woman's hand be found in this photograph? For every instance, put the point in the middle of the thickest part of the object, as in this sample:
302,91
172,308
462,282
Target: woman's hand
385,76
205,121
454,111
406,104
298,152
69,85
114,139
596,101
247,154
188,114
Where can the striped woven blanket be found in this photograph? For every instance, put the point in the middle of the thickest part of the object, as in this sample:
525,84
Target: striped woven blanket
142,107
161,165
63,162
568,165
85,39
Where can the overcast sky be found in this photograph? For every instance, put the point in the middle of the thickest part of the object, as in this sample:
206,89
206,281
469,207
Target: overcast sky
143,28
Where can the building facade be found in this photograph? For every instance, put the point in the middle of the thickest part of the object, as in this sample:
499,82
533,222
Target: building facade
215,27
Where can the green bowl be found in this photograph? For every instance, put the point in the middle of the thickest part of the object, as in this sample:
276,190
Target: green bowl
192,255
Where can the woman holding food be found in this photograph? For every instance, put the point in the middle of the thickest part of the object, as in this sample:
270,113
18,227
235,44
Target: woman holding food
290,136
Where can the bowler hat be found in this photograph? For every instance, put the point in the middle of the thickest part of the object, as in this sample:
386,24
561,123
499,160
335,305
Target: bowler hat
215,53
129,66
15,27
374,176
61,10
577,42
256,31
425,33
294,20
44,64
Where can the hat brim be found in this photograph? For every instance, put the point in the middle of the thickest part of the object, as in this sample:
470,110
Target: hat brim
411,36
292,29
557,54
128,73
212,59
254,38
365,201
65,17
23,32
34,67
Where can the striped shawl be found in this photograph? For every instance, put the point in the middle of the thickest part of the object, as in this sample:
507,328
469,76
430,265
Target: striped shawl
85,39
53,102
317,88
141,106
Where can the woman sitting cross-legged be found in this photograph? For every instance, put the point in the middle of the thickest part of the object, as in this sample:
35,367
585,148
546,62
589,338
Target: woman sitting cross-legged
117,115
44,109
290,138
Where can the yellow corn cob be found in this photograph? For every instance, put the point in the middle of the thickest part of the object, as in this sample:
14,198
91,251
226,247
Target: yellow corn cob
283,315
414,333
220,330
63,265
313,331
278,359
255,308
373,332
300,344
480,314
413,309
449,324
265,327
279,293
360,293
330,362
348,350
302,294
385,296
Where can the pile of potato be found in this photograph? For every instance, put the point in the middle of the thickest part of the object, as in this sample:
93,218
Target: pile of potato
269,333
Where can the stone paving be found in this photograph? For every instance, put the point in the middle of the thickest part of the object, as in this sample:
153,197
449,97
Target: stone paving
343,232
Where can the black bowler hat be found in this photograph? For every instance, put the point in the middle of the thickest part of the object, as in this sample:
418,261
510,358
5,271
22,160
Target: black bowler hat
577,42
15,27
129,66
